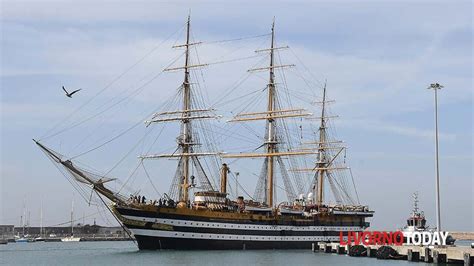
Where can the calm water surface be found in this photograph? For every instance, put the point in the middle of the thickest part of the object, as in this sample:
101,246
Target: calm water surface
126,253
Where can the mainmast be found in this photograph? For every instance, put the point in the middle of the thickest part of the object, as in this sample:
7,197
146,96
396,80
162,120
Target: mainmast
271,140
273,112
186,129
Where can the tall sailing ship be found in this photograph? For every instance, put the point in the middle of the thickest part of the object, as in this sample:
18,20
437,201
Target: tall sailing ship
203,216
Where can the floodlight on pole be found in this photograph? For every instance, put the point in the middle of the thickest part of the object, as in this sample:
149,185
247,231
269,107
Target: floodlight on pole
436,87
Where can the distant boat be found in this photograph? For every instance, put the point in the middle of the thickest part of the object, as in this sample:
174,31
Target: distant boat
24,222
71,238
40,237
417,223
21,240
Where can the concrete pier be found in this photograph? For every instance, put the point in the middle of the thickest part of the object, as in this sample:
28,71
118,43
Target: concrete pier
413,255
427,256
327,248
439,257
441,254
371,252
468,259
340,249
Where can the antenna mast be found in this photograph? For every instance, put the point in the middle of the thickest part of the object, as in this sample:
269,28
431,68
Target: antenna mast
415,203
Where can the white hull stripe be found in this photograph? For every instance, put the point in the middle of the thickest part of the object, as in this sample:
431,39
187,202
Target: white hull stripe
200,224
187,235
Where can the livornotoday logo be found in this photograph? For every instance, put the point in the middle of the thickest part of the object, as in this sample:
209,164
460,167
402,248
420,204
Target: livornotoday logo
396,238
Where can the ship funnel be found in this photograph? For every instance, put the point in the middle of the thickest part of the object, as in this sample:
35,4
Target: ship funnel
224,172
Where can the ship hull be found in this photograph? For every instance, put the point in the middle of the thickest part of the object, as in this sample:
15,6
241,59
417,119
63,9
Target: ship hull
154,243
157,230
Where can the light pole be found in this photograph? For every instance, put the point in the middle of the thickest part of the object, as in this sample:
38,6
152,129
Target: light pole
436,87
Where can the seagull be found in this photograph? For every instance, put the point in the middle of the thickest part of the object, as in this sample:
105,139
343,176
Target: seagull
71,93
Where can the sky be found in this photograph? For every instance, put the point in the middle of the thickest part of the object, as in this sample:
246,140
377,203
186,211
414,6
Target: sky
378,58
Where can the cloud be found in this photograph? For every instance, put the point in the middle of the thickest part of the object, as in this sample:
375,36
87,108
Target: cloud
379,126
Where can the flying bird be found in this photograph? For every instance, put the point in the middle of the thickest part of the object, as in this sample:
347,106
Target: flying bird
69,94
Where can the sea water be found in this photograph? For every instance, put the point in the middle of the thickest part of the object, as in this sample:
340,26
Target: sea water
126,253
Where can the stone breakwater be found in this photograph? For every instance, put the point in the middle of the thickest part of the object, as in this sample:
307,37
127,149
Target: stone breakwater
463,235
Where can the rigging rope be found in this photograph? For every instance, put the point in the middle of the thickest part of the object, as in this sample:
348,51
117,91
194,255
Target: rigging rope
75,220
149,179
107,142
109,85
353,183
136,92
233,60
238,39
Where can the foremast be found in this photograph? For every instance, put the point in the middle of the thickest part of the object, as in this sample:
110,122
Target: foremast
186,155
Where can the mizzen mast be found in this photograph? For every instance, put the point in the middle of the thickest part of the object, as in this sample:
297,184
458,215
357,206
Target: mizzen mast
321,147
326,165
328,153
